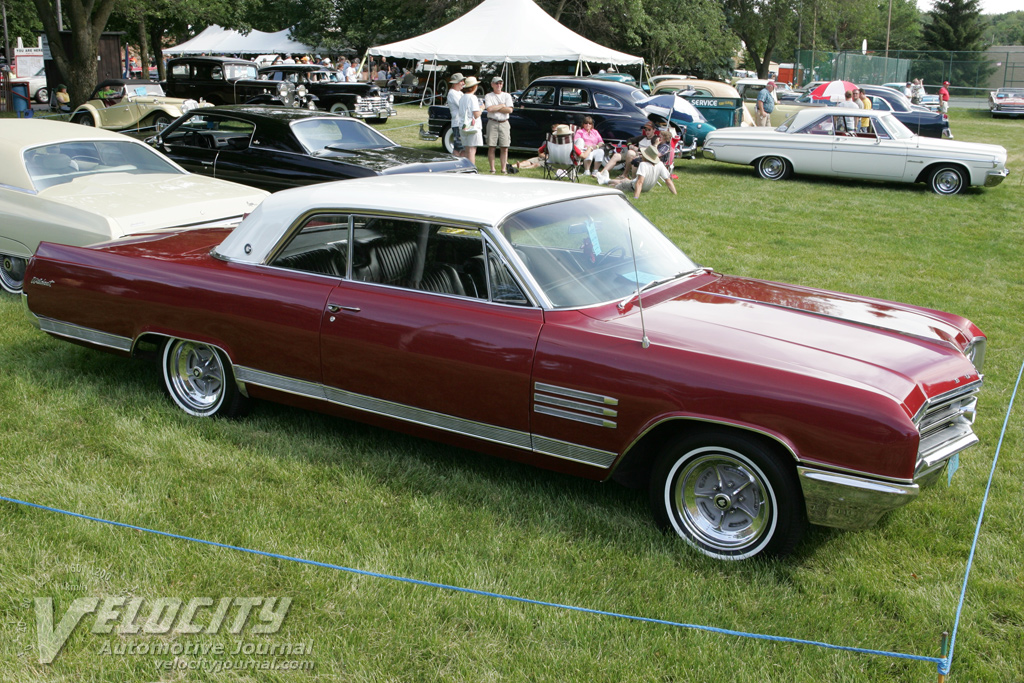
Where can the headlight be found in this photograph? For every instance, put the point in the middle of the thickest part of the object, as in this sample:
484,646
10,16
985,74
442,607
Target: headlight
282,89
188,105
975,352
391,99
358,99
301,90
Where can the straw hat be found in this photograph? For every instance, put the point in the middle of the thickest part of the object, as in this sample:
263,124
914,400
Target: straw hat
563,129
457,77
470,82
651,154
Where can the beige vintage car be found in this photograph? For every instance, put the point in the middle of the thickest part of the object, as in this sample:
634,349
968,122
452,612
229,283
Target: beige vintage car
702,87
120,104
73,185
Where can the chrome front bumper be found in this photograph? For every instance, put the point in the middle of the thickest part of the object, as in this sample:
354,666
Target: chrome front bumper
709,154
845,501
993,178
425,134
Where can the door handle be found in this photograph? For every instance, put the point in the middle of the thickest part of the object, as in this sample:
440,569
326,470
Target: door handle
334,308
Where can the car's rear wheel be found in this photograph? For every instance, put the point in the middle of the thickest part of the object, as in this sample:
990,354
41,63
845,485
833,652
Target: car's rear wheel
947,180
12,273
199,380
158,121
448,141
84,119
773,168
728,495
339,108
42,95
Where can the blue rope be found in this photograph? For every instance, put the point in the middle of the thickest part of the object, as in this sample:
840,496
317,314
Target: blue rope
945,664
471,591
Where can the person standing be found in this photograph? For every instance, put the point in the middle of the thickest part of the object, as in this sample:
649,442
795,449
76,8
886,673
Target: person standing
766,104
455,84
470,116
865,101
944,98
498,105
850,121
917,92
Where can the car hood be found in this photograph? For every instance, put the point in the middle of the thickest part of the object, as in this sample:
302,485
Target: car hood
853,340
398,160
137,203
956,148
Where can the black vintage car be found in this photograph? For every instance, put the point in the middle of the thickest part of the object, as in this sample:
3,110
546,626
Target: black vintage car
361,100
224,80
559,99
274,148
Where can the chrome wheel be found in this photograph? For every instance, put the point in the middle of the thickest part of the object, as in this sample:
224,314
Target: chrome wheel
12,273
198,379
339,108
728,495
83,119
947,180
773,168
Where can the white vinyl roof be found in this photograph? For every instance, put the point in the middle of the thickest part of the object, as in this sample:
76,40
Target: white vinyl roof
504,31
448,197
215,40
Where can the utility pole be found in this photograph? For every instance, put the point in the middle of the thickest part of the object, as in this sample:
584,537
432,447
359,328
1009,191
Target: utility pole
7,41
888,28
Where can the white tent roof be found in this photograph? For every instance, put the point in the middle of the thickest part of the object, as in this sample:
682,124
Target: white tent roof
504,31
215,40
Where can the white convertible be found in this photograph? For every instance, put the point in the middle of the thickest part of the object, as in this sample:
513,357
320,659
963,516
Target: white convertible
856,143
75,185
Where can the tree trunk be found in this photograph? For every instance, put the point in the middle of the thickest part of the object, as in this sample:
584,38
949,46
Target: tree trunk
87,19
143,48
156,35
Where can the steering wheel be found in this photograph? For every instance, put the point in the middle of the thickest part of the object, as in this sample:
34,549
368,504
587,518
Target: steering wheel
621,251
196,139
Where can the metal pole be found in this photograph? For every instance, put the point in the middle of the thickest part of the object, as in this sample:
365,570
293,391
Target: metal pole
7,41
60,17
888,28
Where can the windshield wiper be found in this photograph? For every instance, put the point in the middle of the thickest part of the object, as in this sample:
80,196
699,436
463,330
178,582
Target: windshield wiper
654,283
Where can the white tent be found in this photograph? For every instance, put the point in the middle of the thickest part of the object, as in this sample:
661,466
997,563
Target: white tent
215,40
504,31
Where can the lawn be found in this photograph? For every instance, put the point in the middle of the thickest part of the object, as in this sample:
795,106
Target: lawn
95,434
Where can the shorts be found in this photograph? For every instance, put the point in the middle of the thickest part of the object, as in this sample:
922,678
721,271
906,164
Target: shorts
472,139
457,139
498,134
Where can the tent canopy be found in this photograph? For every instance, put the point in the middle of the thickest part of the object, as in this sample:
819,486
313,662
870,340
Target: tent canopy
215,40
504,31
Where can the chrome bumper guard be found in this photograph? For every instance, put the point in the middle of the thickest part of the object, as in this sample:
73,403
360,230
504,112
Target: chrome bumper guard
709,154
372,107
993,178
32,317
845,501
425,134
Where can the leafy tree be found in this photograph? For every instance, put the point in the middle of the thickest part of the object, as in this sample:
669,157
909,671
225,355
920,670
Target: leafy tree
22,22
955,26
760,24
1005,29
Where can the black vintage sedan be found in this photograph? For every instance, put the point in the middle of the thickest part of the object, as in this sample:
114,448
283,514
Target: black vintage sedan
559,99
274,148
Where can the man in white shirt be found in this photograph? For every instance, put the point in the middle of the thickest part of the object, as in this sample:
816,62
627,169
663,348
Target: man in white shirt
455,84
650,172
498,105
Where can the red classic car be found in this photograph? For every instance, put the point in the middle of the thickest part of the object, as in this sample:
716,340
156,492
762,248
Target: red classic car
549,323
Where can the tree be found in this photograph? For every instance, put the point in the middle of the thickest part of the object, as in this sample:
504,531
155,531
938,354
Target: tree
1005,29
759,24
87,20
955,26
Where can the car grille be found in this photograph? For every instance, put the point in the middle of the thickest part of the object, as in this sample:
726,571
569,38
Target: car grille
1010,107
944,423
372,105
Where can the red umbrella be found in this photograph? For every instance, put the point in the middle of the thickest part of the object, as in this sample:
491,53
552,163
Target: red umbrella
834,90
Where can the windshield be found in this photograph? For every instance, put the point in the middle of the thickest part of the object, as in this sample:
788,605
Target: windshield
786,124
143,89
896,128
68,161
337,133
578,251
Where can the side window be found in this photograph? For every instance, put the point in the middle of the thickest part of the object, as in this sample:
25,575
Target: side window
217,73
319,246
880,104
574,97
604,101
180,71
541,94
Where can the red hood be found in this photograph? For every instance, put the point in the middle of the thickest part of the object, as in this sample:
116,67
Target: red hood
900,349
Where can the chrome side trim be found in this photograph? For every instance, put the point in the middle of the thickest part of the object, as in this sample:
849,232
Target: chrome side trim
288,385
576,393
575,410
572,451
847,502
575,417
576,405
85,334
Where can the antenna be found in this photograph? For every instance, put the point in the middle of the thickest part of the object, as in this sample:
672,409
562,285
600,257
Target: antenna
645,342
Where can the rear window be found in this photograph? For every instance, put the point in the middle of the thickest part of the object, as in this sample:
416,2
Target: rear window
67,162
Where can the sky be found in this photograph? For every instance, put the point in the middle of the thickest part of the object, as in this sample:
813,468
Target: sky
987,6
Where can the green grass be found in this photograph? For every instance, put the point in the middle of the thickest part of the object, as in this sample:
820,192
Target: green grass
94,433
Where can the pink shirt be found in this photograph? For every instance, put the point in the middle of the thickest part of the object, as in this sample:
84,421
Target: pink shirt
591,138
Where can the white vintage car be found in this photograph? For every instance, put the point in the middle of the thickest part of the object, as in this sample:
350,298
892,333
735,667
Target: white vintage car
1006,102
858,143
75,185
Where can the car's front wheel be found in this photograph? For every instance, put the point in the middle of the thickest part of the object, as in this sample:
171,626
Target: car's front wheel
12,273
339,108
42,95
84,119
448,141
728,495
947,180
199,380
160,121
773,168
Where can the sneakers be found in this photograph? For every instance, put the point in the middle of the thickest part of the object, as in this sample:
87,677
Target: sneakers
587,172
602,177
